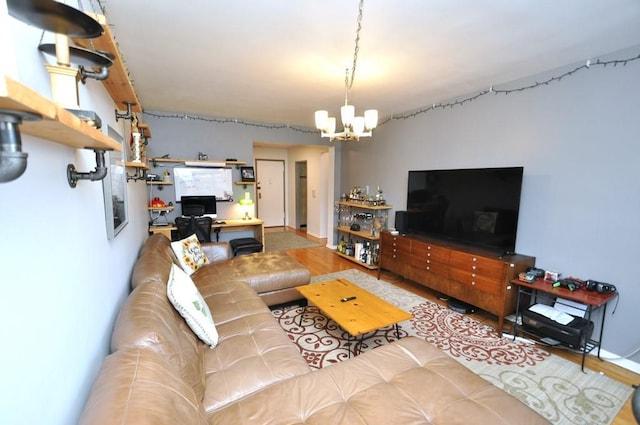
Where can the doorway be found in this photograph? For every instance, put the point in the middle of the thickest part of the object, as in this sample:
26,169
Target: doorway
270,192
301,194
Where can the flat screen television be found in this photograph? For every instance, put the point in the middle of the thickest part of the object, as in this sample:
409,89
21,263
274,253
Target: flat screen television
208,202
477,206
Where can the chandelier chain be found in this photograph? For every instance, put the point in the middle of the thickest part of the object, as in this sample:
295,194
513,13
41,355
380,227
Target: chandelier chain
357,44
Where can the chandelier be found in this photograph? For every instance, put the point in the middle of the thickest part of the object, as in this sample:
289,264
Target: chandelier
354,127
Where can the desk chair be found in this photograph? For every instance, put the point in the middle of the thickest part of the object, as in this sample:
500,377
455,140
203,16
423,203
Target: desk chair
201,226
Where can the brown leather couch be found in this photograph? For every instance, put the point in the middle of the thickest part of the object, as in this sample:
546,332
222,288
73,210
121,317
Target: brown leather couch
160,373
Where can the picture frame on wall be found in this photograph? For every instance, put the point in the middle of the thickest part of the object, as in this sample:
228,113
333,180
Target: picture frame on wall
114,189
247,174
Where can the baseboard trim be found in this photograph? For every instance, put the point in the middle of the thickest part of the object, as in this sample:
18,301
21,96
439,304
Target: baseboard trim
617,360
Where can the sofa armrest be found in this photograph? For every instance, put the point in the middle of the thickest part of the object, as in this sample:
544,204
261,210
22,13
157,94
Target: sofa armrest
216,251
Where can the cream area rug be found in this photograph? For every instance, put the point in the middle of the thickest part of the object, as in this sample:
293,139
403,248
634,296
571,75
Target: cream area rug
556,388
278,241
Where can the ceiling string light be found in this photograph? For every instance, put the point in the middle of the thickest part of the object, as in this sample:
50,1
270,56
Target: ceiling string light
355,127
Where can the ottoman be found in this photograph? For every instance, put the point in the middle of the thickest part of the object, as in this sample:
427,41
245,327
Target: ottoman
244,246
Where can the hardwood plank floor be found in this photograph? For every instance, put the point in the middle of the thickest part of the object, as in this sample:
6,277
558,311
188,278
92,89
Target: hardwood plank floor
323,260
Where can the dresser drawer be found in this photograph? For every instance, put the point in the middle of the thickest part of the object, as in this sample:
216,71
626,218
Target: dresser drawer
481,266
425,250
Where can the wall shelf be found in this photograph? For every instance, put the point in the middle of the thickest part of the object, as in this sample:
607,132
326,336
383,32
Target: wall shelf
117,84
156,161
140,165
57,124
158,183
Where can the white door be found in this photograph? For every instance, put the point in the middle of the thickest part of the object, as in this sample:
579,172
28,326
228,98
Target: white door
270,191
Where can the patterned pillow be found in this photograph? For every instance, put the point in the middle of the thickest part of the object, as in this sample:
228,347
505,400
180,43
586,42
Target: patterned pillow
190,254
187,300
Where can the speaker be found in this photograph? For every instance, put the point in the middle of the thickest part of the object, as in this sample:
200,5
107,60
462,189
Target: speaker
401,221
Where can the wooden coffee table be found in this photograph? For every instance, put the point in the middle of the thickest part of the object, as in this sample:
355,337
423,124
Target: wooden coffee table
355,310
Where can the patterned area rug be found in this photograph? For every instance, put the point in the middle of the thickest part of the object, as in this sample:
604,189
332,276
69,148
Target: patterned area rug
277,241
550,385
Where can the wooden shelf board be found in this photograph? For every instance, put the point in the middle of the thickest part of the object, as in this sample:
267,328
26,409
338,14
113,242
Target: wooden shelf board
154,183
244,183
140,165
365,205
118,83
182,160
362,234
57,124
167,209
348,257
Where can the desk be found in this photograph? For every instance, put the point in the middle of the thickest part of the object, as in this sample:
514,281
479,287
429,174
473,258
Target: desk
230,225
591,299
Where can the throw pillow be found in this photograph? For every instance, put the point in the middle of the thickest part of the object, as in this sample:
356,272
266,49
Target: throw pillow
186,299
190,254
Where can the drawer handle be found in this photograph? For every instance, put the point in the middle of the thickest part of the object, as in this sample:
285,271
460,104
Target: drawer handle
474,267
428,254
473,275
473,283
475,259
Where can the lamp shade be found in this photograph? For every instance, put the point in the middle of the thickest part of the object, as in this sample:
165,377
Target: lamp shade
347,112
322,118
358,125
371,119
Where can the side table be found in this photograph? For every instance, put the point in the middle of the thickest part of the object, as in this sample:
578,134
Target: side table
545,290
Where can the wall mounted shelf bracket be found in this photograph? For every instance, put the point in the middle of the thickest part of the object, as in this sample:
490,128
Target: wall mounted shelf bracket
140,174
99,173
128,115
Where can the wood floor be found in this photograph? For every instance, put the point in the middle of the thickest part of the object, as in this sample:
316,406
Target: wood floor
323,260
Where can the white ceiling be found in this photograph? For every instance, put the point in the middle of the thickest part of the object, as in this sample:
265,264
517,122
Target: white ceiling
277,61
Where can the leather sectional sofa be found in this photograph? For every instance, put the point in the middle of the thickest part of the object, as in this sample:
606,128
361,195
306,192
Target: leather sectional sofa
159,372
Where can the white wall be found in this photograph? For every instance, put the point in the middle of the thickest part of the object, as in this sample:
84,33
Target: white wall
62,280
578,142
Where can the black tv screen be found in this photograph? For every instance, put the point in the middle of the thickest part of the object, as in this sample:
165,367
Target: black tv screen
477,206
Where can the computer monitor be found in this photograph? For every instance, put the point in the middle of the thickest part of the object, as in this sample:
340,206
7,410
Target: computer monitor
208,202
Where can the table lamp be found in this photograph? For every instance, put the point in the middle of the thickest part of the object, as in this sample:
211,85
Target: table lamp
246,203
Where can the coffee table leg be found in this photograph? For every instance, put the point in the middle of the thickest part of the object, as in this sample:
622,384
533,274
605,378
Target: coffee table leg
397,332
349,344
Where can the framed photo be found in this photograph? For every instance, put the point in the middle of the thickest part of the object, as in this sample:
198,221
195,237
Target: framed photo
248,175
114,189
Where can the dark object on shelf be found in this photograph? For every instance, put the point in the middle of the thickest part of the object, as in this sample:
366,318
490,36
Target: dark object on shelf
55,17
575,334
231,160
536,272
401,221
460,306
599,287
244,246
355,227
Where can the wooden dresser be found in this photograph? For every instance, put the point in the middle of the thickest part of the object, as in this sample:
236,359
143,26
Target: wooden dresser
474,275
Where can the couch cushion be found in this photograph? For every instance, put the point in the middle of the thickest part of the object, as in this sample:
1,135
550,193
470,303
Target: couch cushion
410,381
154,262
185,297
265,272
148,319
253,352
189,254
137,387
